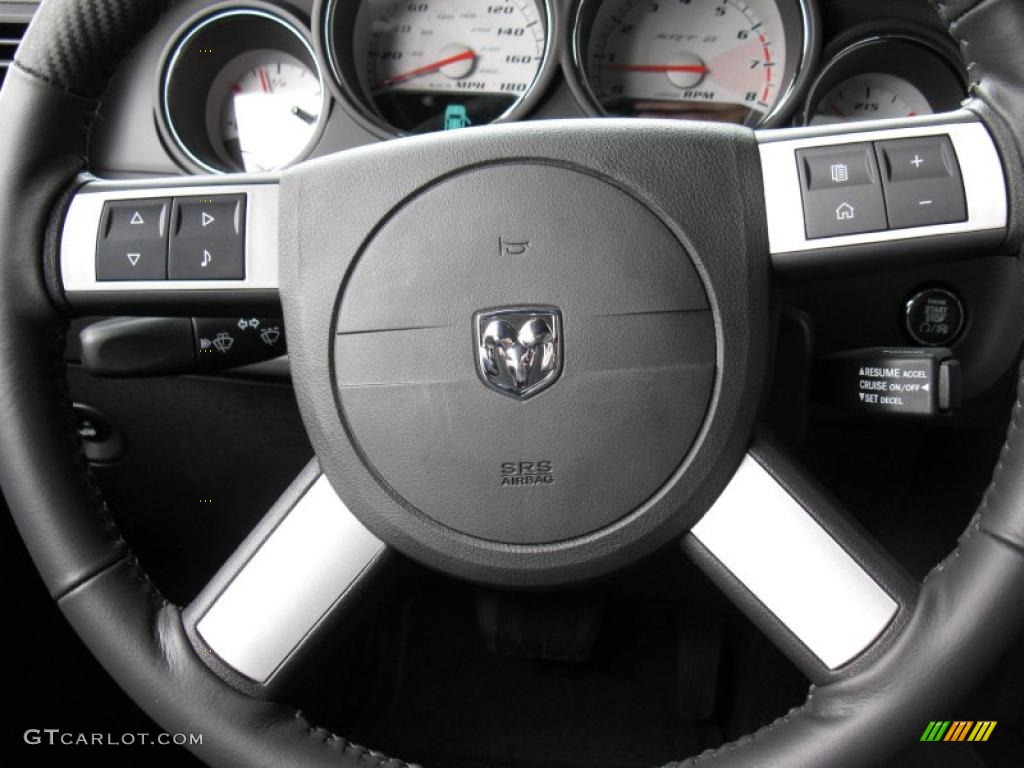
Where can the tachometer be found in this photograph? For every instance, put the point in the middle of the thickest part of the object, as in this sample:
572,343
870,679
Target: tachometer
439,64
728,60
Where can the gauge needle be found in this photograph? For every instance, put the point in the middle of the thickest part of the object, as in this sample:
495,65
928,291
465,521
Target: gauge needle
264,80
696,69
303,115
426,69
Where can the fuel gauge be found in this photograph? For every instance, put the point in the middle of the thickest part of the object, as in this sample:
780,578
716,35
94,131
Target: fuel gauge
264,110
241,90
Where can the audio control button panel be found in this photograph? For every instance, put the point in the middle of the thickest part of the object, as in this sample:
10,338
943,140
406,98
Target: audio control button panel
183,238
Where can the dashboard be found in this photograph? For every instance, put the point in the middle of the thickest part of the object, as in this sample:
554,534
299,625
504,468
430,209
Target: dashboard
253,85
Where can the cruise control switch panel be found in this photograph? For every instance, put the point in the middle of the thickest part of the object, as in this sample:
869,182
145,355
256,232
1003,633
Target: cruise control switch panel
910,382
127,347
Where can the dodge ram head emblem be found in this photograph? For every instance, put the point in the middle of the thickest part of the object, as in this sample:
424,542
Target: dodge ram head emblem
519,351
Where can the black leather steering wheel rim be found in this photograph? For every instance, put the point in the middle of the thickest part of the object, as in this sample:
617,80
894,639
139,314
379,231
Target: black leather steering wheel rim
50,99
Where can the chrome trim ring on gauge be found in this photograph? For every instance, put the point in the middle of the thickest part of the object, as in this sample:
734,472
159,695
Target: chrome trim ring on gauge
913,59
192,125
797,73
334,36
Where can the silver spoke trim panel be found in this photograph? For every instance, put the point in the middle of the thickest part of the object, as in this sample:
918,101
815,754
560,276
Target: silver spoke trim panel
80,235
302,569
769,542
980,166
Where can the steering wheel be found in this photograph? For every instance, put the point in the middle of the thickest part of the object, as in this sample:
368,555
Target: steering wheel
526,356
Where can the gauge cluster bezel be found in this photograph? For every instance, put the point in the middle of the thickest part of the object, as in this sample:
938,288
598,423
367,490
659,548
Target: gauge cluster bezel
799,15
344,78
185,87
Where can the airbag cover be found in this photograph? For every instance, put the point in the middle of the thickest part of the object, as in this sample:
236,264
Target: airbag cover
637,352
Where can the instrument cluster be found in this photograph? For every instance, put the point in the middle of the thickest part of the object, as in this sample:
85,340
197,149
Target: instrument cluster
249,86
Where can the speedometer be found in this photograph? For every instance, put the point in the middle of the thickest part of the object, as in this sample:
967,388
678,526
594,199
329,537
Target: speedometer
414,67
727,60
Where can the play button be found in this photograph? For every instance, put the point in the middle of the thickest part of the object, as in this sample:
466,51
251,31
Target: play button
207,219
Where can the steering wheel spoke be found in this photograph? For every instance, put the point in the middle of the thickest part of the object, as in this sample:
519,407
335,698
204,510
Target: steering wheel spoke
171,246
885,193
301,572
789,557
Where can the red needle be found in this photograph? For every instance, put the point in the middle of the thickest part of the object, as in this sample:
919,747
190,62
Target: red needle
697,69
264,82
426,69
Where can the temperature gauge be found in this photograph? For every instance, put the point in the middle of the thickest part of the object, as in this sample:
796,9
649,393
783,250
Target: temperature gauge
871,96
885,76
